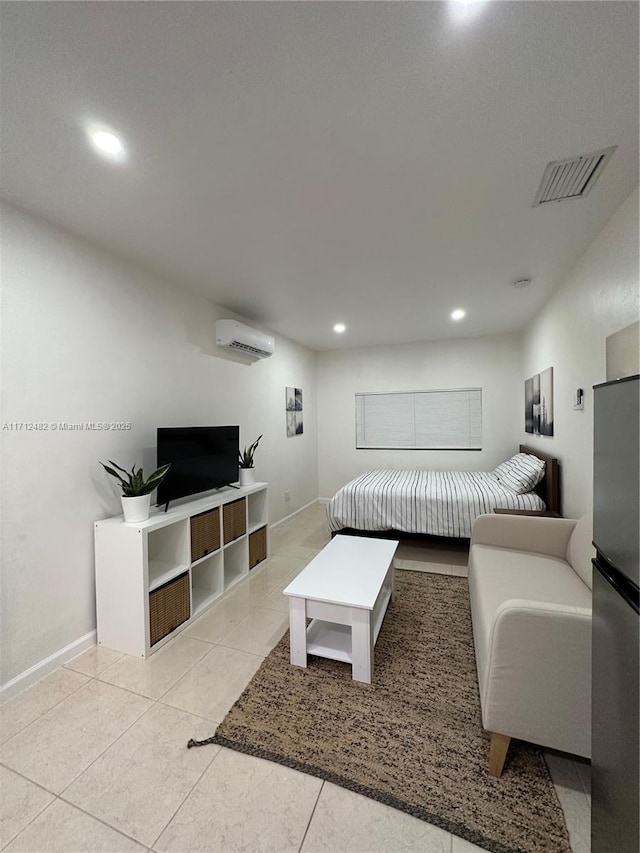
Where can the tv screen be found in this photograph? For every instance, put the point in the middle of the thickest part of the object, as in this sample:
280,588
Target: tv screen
202,458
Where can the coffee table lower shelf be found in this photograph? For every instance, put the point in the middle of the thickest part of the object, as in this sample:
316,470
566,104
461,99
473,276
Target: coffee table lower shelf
334,640
329,640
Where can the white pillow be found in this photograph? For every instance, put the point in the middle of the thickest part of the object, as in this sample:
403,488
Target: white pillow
521,473
502,469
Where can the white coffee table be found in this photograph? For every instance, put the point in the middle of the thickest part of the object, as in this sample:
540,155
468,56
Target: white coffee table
345,590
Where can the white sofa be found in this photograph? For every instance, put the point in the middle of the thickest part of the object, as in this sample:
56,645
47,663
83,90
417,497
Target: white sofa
530,589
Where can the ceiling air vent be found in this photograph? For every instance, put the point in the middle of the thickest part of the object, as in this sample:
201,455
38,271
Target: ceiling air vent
572,178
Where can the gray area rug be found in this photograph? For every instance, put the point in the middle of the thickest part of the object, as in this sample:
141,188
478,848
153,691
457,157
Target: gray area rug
412,739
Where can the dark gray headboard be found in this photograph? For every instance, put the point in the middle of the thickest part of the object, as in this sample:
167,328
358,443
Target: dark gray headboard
549,487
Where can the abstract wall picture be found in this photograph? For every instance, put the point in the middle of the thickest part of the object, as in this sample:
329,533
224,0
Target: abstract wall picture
528,405
291,423
293,407
538,403
546,402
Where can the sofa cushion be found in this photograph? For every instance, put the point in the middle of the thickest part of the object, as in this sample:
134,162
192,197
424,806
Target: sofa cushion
501,574
580,549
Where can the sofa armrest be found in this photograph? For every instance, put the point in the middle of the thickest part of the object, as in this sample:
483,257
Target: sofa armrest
538,534
537,685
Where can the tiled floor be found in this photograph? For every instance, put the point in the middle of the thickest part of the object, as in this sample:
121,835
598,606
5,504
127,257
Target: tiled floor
94,758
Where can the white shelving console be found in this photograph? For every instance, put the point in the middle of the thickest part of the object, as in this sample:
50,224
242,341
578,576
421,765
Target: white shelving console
153,578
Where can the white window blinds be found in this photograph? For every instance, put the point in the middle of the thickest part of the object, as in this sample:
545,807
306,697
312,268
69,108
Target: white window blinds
420,420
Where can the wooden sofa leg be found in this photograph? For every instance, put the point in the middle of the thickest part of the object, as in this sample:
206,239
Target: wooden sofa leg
498,753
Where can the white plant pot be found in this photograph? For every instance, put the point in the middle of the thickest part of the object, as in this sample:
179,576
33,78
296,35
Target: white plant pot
247,476
136,509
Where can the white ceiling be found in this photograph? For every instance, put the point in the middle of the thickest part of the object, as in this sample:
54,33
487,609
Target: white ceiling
307,163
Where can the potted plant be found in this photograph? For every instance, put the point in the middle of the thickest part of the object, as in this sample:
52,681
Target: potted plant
136,491
247,474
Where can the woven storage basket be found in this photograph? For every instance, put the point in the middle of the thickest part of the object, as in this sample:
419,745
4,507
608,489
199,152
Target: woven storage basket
168,607
234,520
257,547
205,533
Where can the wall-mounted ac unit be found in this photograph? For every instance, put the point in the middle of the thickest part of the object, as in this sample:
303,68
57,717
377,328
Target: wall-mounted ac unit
243,339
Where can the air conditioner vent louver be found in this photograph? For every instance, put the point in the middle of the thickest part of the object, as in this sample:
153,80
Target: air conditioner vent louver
243,339
572,178
249,349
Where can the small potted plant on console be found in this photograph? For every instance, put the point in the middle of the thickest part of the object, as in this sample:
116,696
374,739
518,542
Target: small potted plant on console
247,474
136,491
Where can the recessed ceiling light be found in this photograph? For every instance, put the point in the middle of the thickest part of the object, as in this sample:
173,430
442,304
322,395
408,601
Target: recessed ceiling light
339,328
458,314
463,11
107,144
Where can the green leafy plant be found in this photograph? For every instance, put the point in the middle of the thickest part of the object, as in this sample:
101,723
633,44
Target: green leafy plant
135,485
246,457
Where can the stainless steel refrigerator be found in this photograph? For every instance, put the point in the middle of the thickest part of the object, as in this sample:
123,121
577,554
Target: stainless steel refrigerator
615,768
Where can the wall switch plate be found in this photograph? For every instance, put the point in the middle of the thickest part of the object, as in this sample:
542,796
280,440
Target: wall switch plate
578,400
287,495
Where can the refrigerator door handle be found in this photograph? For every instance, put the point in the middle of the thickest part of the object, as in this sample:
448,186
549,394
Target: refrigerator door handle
620,583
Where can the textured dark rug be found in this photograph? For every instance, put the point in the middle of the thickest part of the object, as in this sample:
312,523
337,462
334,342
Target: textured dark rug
413,738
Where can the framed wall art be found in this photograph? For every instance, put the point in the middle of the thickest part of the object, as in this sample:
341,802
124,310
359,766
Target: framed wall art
293,407
538,403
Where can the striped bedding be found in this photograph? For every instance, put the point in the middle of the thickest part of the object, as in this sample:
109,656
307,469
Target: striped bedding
441,503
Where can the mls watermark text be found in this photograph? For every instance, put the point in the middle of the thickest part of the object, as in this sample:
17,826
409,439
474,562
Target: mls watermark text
65,426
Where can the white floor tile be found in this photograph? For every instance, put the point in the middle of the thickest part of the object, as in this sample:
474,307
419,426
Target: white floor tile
276,600
577,814
258,633
280,567
20,802
251,591
243,804
345,821
153,676
218,621
290,549
94,661
214,683
62,743
27,706
61,828
584,772
573,799
563,770
317,539
294,542
140,781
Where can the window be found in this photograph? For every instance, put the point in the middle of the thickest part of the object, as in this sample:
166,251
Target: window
420,420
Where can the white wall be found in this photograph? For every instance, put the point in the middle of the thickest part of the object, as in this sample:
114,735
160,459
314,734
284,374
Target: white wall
491,363
86,337
598,297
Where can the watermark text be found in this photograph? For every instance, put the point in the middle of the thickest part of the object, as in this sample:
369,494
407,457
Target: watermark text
65,426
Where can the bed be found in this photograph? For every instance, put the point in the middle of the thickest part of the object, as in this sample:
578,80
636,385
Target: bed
444,503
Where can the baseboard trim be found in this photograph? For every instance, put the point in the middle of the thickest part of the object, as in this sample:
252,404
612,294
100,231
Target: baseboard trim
293,514
57,659
44,667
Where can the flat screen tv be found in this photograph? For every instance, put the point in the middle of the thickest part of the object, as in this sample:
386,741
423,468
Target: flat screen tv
202,458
